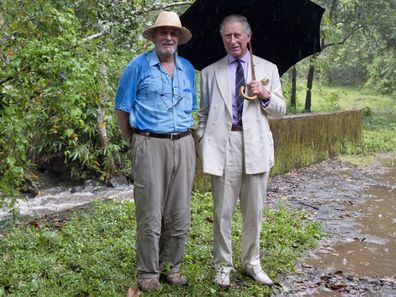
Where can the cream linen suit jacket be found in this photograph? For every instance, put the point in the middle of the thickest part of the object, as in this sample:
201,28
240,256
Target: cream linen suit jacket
215,118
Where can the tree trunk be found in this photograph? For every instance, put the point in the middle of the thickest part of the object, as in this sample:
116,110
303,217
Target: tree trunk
102,123
101,113
294,88
308,98
310,78
333,9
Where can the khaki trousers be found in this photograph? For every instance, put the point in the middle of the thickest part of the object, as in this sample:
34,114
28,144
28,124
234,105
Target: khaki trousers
251,190
163,171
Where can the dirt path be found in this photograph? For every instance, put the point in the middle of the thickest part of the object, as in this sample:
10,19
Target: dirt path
356,206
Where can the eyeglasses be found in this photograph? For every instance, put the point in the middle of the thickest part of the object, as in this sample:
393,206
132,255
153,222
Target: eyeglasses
175,99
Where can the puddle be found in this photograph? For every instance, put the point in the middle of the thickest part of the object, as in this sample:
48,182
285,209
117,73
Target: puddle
372,250
356,205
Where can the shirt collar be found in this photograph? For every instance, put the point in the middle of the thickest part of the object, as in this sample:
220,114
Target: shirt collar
244,59
153,59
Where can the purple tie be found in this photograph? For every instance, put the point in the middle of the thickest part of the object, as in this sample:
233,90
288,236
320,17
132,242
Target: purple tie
239,81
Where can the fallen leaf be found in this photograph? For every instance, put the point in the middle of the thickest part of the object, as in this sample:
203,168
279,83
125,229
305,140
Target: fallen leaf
336,286
35,224
133,292
209,220
6,257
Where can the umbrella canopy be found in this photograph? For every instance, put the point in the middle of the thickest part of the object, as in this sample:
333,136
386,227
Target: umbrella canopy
284,31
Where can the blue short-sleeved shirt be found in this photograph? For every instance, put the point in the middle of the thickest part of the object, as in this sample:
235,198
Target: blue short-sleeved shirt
156,102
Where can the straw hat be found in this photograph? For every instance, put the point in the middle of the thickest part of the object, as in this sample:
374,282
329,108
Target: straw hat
168,19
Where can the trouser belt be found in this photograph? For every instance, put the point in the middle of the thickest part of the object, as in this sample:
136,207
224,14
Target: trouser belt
236,128
171,136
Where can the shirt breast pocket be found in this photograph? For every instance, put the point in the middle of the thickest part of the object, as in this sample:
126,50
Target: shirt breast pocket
187,100
150,102
148,96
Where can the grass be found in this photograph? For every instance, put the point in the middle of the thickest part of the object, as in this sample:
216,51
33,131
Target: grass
92,253
379,118
379,123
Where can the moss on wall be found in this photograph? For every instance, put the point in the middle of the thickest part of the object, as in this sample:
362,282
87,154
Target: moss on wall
301,140
306,139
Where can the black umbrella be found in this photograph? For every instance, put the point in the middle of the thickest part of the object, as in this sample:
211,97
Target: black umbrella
284,31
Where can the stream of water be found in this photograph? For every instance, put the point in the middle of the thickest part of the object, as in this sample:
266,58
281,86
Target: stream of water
63,197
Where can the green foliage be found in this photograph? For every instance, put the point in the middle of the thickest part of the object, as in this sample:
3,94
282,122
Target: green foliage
286,235
362,43
379,136
382,72
52,89
93,254
327,100
379,117
13,157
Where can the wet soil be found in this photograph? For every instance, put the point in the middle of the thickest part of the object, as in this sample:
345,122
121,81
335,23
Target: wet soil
356,206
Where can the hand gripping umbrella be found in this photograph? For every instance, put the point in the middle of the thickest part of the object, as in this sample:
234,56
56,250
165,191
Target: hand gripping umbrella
242,89
284,31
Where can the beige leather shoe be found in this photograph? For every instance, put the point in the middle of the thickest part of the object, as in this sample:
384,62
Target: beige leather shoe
259,275
149,284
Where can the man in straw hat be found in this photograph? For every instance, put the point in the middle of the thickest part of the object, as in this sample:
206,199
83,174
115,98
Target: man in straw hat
155,99
237,146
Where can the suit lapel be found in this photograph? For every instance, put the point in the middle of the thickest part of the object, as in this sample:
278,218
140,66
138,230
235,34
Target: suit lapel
223,82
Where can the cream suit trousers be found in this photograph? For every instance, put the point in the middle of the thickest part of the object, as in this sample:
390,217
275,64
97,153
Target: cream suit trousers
251,190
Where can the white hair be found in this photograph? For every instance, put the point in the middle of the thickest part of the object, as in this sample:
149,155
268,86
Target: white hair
236,18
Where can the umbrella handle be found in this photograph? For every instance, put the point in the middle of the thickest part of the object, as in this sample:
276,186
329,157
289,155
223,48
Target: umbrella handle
242,89
242,93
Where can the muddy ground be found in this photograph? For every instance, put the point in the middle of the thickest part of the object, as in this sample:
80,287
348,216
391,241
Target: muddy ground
335,193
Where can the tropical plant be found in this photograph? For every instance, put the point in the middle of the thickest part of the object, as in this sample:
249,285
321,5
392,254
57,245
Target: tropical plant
60,63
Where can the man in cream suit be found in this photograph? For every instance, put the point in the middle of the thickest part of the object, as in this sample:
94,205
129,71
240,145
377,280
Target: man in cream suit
236,145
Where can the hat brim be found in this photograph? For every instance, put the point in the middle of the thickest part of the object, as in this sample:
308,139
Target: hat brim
185,34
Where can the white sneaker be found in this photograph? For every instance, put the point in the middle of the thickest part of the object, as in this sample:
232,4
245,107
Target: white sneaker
259,275
222,277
